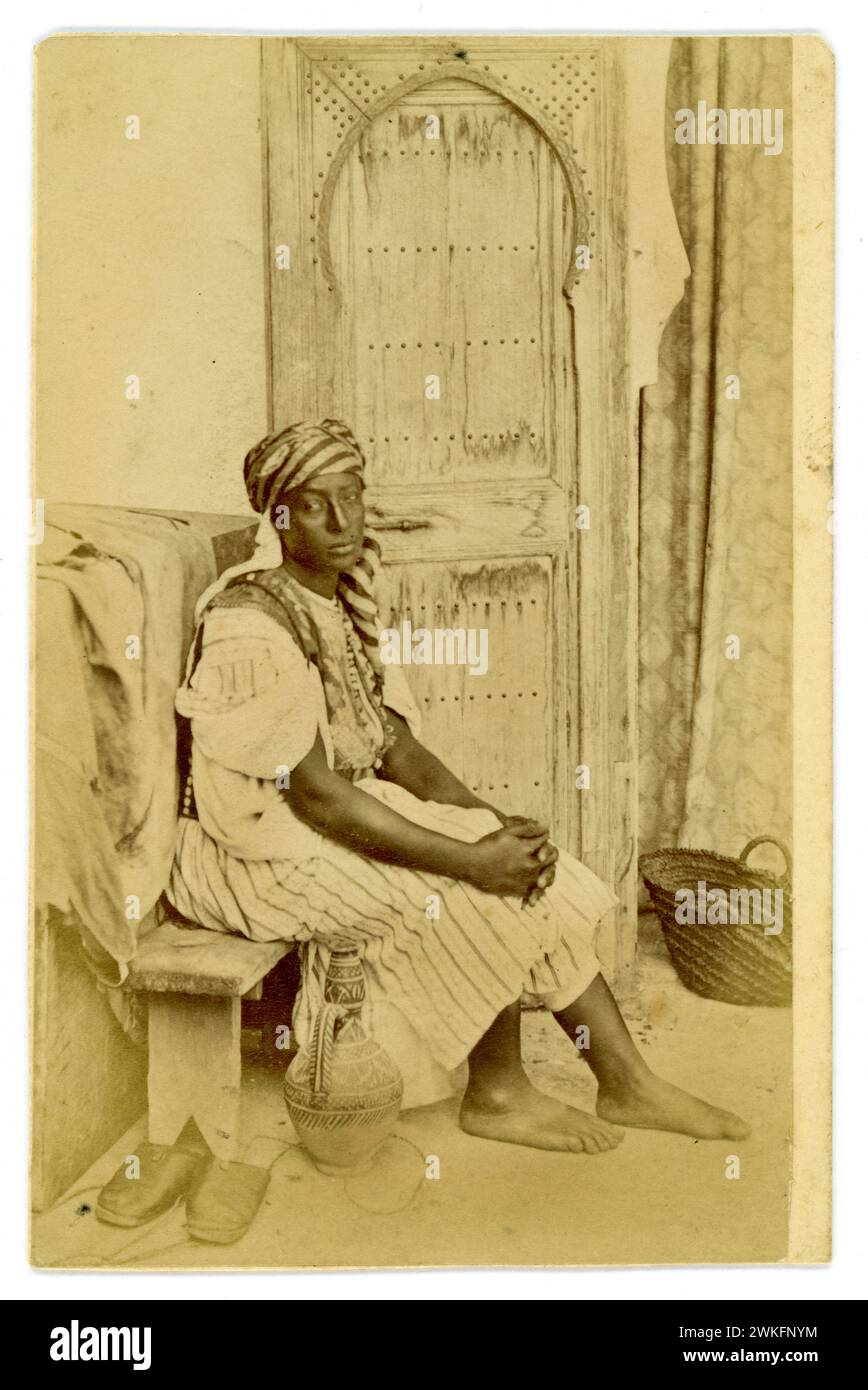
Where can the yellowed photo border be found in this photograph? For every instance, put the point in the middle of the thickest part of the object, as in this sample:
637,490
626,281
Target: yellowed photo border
812,134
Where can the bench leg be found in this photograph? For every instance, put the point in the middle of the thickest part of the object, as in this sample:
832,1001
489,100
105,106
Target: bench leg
194,1068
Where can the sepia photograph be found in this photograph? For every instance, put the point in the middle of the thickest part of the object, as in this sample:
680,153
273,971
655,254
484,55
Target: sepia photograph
431,588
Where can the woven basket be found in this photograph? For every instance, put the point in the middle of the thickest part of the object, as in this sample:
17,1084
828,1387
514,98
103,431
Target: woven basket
736,962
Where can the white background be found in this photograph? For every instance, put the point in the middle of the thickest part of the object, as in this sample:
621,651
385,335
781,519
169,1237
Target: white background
842,24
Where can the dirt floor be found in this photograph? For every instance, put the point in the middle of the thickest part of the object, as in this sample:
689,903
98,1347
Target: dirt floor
657,1199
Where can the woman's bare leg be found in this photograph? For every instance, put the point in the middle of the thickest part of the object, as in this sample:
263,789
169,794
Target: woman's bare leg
500,1102
629,1092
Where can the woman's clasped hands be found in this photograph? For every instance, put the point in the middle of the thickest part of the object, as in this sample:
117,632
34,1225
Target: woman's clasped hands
516,861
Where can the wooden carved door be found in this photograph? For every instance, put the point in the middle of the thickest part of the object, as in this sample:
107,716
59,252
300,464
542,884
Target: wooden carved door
424,208
453,362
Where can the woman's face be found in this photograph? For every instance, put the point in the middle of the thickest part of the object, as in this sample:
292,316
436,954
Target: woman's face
321,525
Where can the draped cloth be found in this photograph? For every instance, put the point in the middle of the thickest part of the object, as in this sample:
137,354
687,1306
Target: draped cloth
114,610
715,478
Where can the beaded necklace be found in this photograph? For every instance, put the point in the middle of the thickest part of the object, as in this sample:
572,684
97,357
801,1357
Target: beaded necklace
359,693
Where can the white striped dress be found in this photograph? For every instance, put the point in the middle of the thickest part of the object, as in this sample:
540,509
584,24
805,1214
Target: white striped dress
439,954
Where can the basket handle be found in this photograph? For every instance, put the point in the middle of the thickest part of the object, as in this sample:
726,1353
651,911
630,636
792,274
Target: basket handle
770,840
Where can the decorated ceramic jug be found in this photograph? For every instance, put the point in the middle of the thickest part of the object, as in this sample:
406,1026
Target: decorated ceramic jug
342,1091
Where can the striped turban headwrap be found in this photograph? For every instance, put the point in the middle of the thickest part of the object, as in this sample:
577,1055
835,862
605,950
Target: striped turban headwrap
287,460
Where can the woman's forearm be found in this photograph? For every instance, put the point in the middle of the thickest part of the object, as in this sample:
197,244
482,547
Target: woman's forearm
342,812
506,862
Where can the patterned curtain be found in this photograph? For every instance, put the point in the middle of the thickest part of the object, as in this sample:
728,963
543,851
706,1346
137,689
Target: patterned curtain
715,479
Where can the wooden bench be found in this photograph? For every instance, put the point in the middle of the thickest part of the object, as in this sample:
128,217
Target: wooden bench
194,981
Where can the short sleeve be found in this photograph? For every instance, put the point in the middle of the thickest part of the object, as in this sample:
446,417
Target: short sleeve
254,701
397,696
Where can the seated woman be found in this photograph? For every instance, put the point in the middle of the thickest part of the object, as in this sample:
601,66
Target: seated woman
321,819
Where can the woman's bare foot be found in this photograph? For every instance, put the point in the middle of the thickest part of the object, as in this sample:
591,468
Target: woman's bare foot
520,1114
648,1102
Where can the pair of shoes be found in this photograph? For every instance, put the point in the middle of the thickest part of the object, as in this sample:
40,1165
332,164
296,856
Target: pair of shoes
165,1174
223,1201
222,1197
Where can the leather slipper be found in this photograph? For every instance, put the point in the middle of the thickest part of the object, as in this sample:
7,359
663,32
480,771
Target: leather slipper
166,1174
224,1200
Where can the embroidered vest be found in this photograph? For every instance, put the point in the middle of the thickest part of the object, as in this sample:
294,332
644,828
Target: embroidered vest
266,592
